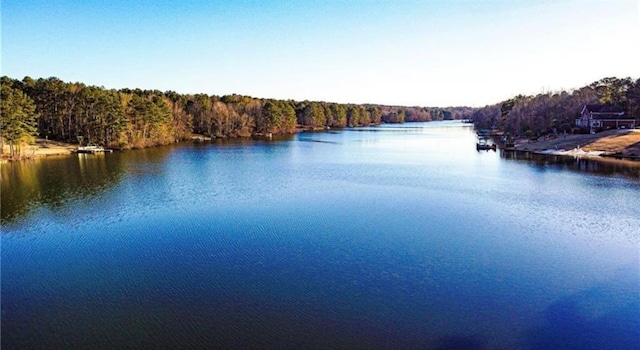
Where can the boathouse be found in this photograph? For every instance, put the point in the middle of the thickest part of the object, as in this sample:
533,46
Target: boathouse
598,117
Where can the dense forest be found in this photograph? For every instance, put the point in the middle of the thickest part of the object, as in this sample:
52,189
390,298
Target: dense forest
74,112
555,112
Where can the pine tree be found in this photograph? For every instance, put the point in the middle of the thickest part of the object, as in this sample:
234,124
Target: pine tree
18,120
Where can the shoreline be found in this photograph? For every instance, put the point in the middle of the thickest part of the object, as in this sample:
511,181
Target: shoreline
40,149
579,153
618,144
611,144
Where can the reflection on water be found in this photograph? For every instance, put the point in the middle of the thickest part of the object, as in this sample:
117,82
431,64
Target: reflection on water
602,166
52,182
405,237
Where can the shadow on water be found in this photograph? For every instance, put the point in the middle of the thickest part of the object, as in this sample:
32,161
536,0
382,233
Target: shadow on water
317,141
601,166
239,141
606,316
457,342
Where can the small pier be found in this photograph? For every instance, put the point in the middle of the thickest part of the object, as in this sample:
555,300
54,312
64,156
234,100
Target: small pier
483,143
200,138
93,149
485,146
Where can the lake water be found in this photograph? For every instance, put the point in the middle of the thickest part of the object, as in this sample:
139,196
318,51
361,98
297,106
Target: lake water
398,236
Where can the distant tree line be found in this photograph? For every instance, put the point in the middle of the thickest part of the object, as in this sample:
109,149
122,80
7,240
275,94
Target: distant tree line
126,118
556,112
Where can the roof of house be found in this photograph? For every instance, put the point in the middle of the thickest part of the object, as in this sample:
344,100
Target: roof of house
605,109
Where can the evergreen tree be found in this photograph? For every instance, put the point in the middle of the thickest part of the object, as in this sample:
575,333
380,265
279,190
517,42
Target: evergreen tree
340,115
288,118
272,117
17,117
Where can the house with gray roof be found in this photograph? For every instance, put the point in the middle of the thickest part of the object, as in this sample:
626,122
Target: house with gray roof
599,117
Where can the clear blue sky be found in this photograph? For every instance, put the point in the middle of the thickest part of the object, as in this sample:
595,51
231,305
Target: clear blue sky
426,53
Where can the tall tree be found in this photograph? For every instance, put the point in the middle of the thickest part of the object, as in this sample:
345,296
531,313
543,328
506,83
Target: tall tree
148,114
353,115
633,97
17,117
272,117
340,115
376,114
110,112
613,90
288,118
313,115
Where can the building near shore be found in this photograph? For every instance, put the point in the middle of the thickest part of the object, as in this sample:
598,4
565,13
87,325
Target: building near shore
599,117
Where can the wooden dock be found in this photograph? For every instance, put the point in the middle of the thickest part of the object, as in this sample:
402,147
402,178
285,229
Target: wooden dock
93,149
200,138
483,143
485,146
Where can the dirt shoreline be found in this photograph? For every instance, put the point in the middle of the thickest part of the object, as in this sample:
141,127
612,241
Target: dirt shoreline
610,143
41,148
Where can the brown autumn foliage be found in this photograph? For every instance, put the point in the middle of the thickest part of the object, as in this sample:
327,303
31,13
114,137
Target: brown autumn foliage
555,112
126,118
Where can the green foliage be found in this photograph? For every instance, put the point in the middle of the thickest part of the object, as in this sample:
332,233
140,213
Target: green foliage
272,117
353,115
507,106
288,118
17,116
613,90
376,114
129,118
313,115
365,116
339,116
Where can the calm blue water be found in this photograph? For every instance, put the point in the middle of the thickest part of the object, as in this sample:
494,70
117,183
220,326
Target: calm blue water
399,236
